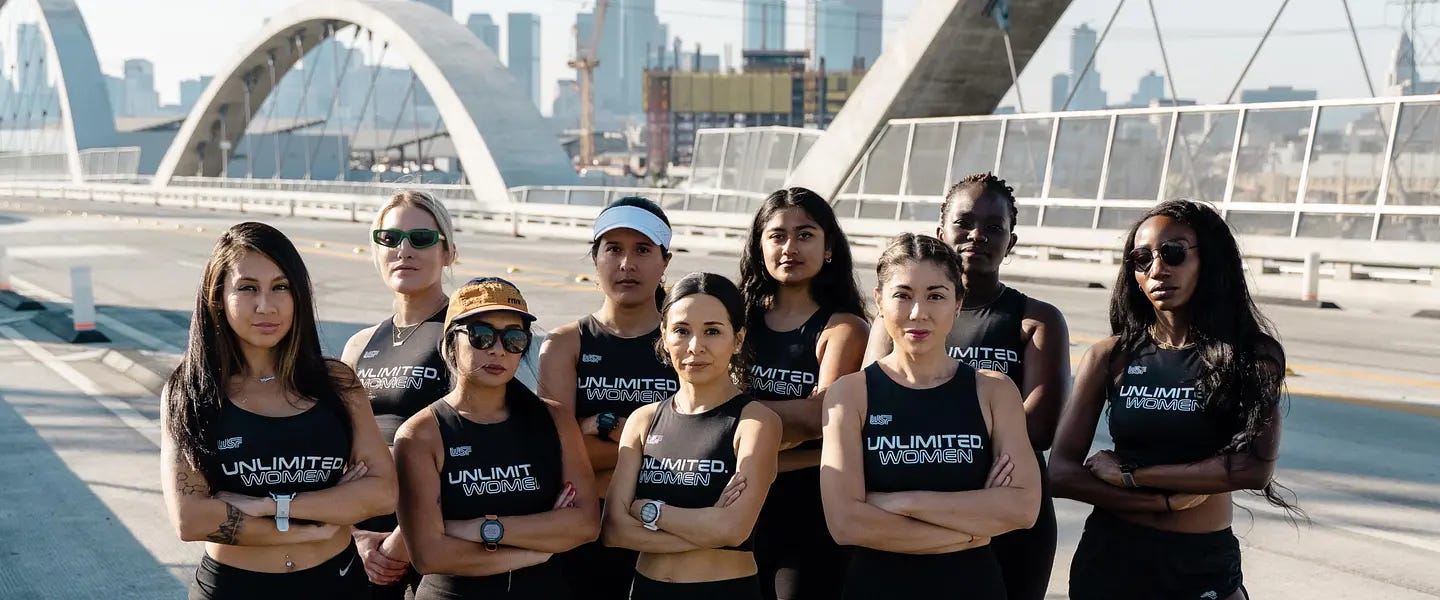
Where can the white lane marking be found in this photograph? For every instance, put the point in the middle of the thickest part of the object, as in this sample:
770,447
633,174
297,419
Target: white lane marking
80,251
121,409
105,321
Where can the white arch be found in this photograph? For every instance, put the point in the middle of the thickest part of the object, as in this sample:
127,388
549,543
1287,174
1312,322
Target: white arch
475,95
86,116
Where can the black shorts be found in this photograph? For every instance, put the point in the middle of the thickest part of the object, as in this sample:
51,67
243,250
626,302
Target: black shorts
540,582
743,588
878,575
342,577
1119,560
798,559
1027,556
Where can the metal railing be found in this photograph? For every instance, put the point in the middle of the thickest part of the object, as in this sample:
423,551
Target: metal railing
1357,169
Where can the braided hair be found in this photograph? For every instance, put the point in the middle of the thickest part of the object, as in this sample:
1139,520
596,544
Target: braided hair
984,184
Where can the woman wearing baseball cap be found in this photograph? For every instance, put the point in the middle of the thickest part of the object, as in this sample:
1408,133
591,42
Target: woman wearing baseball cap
603,366
509,469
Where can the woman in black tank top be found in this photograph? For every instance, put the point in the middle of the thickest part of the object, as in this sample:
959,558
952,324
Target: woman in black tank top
270,452
805,328
398,360
1003,330
603,367
694,469
508,469
925,459
1192,378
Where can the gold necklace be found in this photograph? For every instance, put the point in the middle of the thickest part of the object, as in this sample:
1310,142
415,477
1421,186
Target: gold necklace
397,338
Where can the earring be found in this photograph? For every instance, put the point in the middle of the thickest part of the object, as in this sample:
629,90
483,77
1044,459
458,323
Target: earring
827,260
662,279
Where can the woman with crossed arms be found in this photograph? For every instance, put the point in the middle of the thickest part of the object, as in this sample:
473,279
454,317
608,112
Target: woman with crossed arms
694,469
925,459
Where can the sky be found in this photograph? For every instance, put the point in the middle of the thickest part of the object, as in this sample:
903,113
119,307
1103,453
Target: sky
1208,41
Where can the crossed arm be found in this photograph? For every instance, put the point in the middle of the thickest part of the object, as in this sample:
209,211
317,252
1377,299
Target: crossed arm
728,523
917,522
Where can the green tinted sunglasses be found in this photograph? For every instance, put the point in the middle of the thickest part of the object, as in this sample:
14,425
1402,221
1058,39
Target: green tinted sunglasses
419,238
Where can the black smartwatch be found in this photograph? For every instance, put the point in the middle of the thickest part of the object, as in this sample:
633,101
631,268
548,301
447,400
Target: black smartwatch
491,532
1127,474
605,423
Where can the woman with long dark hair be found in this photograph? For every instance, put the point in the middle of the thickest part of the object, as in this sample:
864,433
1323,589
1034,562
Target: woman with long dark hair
270,450
398,360
494,480
925,458
1191,381
1002,329
694,468
603,366
805,327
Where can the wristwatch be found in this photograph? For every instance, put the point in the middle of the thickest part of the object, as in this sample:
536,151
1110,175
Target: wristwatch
605,423
282,510
491,530
1127,474
650,514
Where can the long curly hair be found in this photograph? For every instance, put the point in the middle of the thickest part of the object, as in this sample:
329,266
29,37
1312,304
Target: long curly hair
1243,373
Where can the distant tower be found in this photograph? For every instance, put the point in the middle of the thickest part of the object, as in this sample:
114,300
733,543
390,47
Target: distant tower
1404,74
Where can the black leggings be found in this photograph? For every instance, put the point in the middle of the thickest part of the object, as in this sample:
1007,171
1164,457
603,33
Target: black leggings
540,582
405,588
744,588
342,577
970,574
1120,560
603,573
798,559
1027,556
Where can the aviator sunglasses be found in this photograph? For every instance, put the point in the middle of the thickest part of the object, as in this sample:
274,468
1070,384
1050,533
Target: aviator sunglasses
1172,253
419,238
483,337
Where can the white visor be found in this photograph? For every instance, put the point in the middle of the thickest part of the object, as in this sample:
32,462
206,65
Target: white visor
633,217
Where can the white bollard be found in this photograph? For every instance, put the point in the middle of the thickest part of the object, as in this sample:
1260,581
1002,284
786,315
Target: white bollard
82,297
1311,279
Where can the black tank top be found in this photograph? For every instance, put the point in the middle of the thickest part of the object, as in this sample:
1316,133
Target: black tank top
689,459
406,378
299,453
989,337
933,439
785,366
618,375
508,468
1157,415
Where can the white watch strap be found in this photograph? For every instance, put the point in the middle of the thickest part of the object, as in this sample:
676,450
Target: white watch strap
655,524
282,511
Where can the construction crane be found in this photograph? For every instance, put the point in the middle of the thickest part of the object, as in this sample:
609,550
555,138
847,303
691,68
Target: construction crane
584,63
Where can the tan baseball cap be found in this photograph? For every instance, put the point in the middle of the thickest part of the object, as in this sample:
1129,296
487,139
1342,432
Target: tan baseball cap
485,294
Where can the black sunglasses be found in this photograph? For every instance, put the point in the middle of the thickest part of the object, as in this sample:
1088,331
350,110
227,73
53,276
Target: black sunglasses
419,238
1172,253
483,337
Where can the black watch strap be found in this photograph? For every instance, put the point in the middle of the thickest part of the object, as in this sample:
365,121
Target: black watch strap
604,427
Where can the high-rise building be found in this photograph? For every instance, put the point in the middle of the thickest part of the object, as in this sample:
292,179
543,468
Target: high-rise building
141,99
486,30
445,6
844,34
523,52
191,90
1404,77
632,37
764,25
1083,91
1151,88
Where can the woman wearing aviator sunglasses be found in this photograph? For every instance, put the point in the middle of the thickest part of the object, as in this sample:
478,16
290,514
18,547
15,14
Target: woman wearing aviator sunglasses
398,360
509,469
1193,378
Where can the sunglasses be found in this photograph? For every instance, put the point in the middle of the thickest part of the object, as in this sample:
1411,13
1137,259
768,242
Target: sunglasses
419,238
1171,252
483,337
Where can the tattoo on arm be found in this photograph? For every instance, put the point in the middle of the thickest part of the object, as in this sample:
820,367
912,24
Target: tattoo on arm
188,487
230,528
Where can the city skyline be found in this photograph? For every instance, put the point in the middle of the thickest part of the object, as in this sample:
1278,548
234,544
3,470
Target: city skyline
1206,53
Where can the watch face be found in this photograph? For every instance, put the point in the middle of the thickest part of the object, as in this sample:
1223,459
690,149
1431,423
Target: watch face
491,531
606,419
650,512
